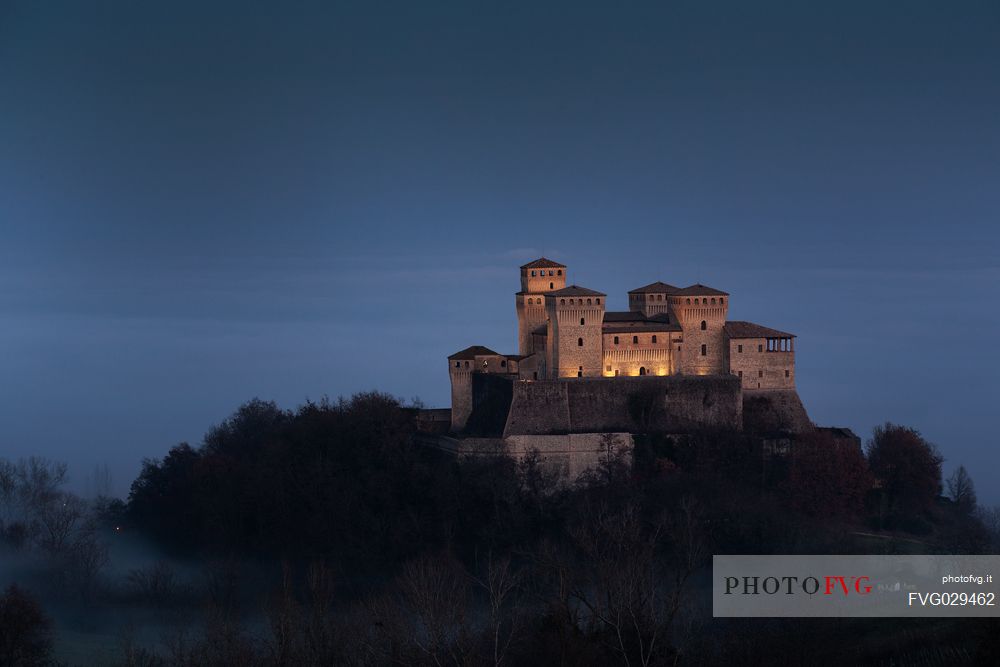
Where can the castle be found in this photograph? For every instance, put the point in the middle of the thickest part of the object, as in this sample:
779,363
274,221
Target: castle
565,332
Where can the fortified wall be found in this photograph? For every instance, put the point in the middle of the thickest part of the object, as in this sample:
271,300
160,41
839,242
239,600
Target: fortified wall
670,404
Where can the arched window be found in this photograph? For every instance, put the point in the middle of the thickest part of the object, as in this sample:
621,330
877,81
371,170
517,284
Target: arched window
588,302
654,338
579,342
562,301
458,364
642,370
559,272
466,364
598,301
703,325
616,340
551,286
689,302
532,274
581,322
550,272
635,340
704,350
722,301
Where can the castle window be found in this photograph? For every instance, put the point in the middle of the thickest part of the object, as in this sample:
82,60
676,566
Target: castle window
678,348
760,348
532,274
503,363
562,302
598,301
703,325
559,272
579,342
609,368
458,364
786,372
550,272
581,322
739,348
551,286
635,340
616,340
704,350
579,371
466,364
721,301
740,374
713,301
654,338
760,374
588,302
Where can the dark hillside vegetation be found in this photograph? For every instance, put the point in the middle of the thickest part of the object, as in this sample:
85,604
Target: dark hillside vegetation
323,535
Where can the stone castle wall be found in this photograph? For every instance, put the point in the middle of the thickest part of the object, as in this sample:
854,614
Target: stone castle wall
672,404
757,367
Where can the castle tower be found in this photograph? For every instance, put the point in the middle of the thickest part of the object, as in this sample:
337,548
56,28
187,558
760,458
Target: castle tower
461,366
701,312
653,299
537,277
575,344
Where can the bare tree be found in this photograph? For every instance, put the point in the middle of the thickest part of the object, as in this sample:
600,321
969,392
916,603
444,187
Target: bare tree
634,586
501,585
58,520
962,491
426,620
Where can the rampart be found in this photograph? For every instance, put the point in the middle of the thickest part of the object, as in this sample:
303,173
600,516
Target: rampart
671,404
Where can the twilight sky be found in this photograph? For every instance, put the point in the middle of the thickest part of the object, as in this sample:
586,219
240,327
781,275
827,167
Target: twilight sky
205,202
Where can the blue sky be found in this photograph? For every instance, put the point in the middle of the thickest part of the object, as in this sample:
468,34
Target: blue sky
199,205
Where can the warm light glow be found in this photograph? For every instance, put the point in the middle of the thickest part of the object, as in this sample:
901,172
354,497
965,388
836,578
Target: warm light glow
661,371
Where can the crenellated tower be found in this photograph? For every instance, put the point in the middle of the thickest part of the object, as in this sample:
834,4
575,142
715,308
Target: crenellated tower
575,321
701,312
537,277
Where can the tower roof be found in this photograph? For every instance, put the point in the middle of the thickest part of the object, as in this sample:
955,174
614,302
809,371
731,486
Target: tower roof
700,290
738,329
655,288
472,352
543,263
575,290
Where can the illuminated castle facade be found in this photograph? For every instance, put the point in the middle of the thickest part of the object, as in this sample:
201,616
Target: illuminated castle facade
565,332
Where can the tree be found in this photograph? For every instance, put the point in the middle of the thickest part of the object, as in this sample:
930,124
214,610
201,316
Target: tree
962,491
907,467
25,631
827,477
